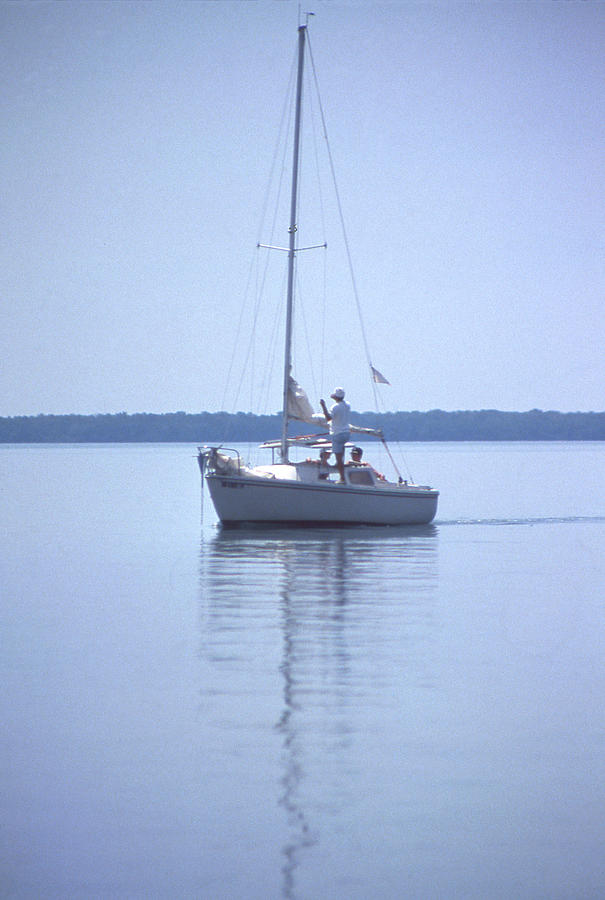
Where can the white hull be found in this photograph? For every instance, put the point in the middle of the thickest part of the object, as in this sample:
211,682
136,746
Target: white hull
239,499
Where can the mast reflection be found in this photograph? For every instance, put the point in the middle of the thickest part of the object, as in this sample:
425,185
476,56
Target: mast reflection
317,581
306,606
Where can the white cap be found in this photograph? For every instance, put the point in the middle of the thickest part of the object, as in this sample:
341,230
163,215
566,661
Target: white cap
338,394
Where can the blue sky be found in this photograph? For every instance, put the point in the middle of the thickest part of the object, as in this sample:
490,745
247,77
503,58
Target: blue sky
468,141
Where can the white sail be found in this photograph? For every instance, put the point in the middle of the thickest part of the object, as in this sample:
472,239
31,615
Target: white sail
299,405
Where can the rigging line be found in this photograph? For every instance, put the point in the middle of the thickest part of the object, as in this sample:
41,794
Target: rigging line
386,447
251,269
324,306
307,334
284,118
284,127
313,118
342,222
404,462
261,289
269,368
322,211
249,353
285,124
247,364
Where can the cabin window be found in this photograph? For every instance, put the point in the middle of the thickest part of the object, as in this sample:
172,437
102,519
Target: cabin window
360,476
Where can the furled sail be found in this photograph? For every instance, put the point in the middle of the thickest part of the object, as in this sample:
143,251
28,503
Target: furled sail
299,406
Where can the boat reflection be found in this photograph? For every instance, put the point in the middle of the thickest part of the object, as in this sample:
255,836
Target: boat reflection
320,586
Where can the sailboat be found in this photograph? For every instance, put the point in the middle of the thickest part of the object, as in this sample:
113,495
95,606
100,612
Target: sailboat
306,492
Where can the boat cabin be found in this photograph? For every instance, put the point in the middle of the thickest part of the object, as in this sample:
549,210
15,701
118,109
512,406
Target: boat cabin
311,472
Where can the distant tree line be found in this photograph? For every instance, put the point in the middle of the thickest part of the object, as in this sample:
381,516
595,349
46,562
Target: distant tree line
207,428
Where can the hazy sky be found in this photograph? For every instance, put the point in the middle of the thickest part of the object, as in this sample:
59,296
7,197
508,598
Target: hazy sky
137,139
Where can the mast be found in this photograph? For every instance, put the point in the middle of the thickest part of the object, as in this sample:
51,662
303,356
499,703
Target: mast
302,30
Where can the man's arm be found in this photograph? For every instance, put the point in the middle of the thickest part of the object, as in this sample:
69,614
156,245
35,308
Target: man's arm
325,410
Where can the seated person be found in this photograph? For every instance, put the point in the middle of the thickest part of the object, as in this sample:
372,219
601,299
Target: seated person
324,467
356,454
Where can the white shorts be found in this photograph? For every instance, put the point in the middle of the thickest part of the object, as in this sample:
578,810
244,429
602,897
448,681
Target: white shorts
339,440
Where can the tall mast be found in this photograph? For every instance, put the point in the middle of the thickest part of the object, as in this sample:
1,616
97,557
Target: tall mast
302,30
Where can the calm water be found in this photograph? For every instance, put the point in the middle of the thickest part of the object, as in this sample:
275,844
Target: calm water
400,713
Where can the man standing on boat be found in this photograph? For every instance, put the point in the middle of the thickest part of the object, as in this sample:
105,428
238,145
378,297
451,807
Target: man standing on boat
338,417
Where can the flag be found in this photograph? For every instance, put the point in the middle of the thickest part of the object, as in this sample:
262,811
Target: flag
378,377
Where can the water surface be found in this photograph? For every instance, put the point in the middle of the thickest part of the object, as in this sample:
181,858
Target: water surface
190,712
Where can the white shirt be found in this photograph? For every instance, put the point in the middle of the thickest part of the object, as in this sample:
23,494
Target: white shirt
340,413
